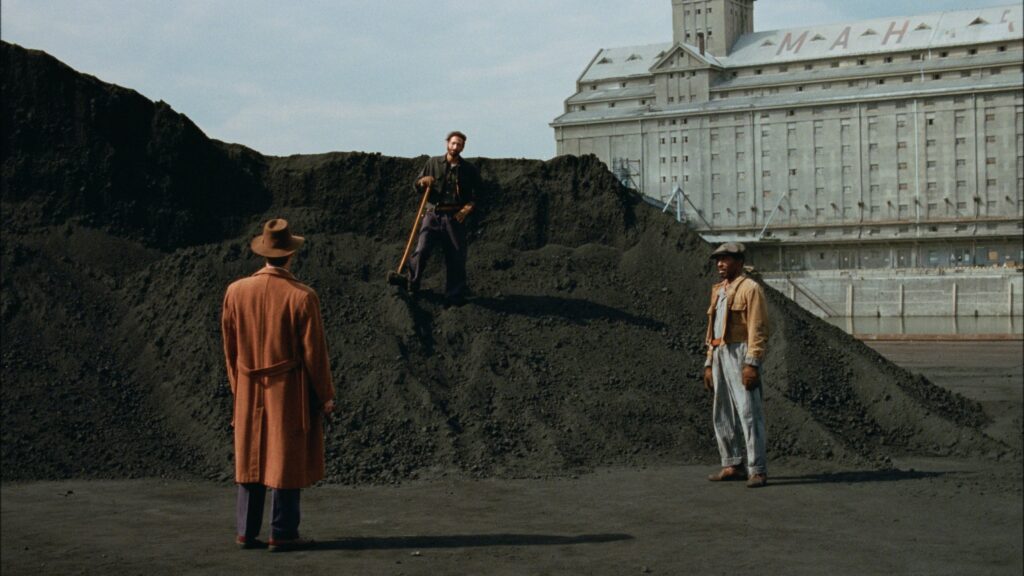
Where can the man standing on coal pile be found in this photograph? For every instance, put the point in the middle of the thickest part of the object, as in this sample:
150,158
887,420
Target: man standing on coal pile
280,379
737,336
453,186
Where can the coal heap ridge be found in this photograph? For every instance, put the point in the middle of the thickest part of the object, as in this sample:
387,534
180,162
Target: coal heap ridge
123,224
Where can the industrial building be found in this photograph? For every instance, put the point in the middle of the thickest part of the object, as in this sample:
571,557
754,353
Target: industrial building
893,143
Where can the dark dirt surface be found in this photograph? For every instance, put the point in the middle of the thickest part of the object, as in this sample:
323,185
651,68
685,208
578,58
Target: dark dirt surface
934,516
122,225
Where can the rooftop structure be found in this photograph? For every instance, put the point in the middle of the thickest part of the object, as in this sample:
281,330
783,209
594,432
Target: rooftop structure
893,142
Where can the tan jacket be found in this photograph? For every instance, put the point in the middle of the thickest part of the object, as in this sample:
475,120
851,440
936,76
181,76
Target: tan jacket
280,376
747,320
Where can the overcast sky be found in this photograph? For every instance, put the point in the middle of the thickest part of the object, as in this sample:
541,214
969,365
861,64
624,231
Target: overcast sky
389,76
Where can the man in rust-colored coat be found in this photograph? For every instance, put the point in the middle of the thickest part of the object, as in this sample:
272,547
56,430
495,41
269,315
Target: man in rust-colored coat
280,377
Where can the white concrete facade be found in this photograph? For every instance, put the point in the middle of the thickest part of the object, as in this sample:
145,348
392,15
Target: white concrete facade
888,143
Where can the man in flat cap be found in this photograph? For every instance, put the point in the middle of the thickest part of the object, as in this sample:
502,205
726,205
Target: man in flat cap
280,378
737,336
453,183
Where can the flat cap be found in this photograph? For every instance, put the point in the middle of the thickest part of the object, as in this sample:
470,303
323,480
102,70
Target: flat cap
729,248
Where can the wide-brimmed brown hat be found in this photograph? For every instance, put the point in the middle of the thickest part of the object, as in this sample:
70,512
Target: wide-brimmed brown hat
276,240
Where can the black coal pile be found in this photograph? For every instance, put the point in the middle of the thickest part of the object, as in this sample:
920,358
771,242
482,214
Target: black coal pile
122,225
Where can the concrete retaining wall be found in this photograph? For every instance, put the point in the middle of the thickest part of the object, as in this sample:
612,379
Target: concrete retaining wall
905,293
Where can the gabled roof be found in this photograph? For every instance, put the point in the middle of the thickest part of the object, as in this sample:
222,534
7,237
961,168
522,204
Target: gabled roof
623,62
881,35
706,59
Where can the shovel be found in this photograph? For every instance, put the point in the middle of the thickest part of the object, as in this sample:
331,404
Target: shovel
396,277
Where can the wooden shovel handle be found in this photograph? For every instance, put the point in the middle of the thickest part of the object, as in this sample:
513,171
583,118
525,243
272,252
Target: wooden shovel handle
415,229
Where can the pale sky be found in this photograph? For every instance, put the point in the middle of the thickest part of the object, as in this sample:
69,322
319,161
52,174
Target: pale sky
388,76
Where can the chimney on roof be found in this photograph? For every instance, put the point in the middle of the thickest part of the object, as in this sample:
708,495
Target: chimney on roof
700,42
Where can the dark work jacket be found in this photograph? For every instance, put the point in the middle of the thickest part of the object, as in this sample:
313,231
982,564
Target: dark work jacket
453,186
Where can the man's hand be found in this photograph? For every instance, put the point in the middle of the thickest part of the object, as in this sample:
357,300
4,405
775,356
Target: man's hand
709,383
751,377
461,215
425,181
328,407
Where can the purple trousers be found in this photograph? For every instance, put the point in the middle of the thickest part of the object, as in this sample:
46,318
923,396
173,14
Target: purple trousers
284,512
443,229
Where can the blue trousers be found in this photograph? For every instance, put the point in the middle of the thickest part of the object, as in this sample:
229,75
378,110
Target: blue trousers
284,512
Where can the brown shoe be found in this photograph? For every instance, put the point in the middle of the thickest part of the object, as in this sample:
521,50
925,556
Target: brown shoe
727,474
757,481
249,543
290,545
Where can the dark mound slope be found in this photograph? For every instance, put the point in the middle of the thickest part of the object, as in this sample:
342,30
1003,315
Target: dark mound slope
122,225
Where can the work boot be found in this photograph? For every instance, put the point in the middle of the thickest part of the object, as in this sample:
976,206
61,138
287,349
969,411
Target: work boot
249,543
757,481
291,544
729,473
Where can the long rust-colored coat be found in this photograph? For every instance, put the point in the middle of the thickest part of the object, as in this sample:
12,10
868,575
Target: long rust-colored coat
280,377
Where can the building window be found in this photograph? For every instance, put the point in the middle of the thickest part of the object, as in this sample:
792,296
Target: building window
908,78
990,161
